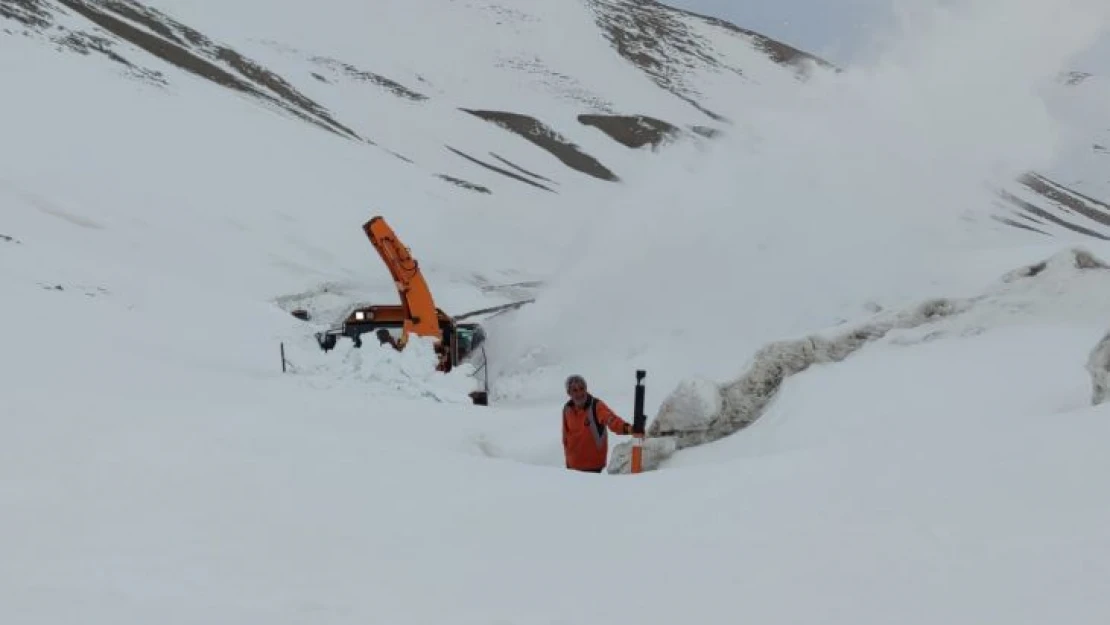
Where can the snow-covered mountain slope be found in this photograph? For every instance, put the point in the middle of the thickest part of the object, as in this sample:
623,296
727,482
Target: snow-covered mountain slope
639,74
167,198
480,105
1074,193
636,74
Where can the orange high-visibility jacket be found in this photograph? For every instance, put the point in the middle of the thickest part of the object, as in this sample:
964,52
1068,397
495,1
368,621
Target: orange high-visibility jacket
585,435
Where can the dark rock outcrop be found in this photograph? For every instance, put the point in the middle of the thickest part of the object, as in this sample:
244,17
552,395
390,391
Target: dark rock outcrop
500,170
540,134
469,186
634,131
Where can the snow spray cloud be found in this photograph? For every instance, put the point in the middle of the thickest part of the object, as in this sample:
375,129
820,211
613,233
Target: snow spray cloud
846,188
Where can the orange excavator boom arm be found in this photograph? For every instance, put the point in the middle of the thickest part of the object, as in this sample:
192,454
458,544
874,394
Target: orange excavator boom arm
416,298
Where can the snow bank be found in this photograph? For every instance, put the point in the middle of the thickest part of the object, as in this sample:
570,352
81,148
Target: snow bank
699,411
1098,366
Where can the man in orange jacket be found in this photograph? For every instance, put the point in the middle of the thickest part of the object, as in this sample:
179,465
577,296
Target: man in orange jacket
586,424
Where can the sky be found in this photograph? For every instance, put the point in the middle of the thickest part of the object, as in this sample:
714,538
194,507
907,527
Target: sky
840,32
836,31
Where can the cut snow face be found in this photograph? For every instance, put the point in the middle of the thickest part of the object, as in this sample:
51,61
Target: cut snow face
1073,285
1098,366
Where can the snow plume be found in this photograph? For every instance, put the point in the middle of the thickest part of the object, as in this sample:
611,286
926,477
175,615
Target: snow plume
849,187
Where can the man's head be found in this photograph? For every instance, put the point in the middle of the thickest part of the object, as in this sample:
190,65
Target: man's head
576,388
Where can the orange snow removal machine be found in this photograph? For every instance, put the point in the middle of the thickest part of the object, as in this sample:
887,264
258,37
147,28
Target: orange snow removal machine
456,343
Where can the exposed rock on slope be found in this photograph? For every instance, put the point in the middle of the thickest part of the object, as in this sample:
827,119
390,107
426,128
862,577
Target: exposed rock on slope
470,186
500,170
31,13
654,39
191,51
350,71
1058,206
634,131
663,42
778,51
542,135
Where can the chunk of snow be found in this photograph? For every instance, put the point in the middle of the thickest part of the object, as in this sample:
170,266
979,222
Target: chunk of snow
409,373
693,404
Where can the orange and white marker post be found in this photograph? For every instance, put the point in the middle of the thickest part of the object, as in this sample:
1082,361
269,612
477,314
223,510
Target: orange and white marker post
639,420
